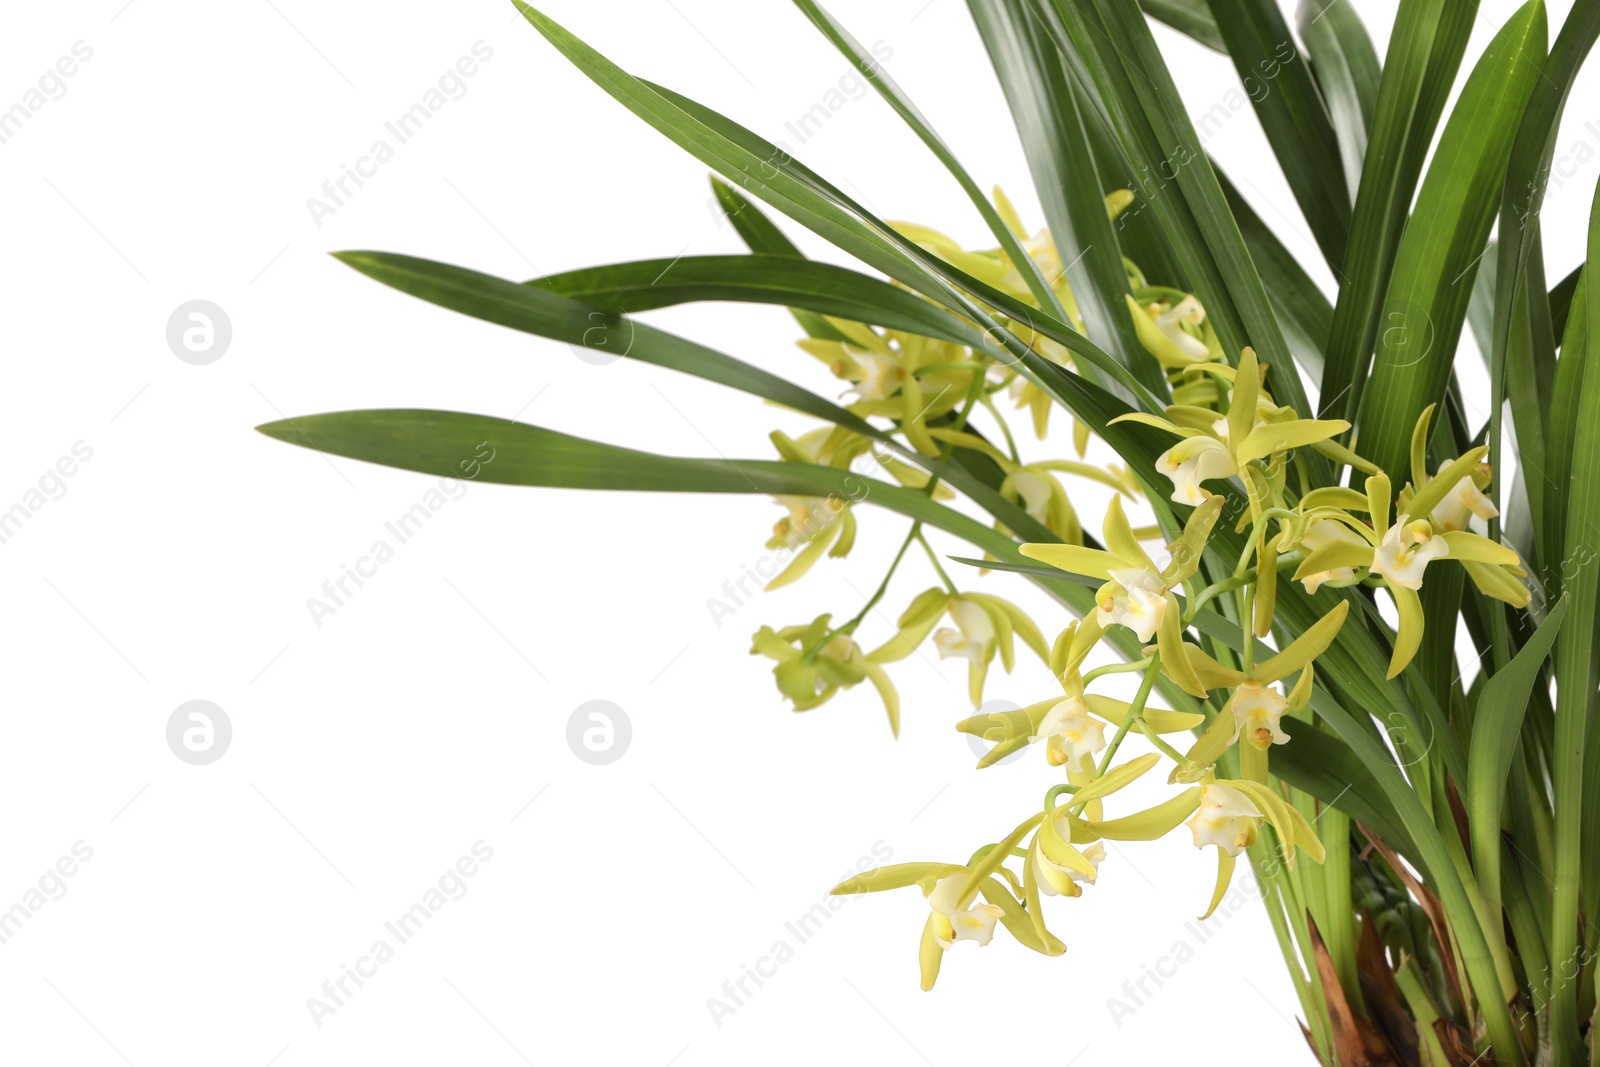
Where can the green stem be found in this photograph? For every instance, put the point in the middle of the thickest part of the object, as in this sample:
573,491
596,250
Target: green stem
1005,429
933,558
1155,739
883,587
915,534
1115,668
1210,592
1135,711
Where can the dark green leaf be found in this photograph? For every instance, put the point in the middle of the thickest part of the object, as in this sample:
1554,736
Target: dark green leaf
1050,120
1561,301
873,71
1577,664
762,236
1495,733
1114,43
1563,424
1425,50
1434,269
1192,18
1347,71
1302,309
549,314
1524,335
1292,114
645,285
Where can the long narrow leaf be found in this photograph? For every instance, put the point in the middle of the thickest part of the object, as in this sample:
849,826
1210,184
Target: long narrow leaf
1425,50
1521,346
1577,666
1143,101
1192,18
1051,123
644,285
1501,708
549,314
1432,280
1292,114
1347,71
873,71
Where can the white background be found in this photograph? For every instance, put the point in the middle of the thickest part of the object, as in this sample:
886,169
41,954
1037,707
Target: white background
429,712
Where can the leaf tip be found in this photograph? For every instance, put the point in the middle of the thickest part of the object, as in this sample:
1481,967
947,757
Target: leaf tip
280,430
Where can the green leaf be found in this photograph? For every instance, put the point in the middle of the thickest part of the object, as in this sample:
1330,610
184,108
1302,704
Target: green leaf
1524,338
760,168
644,285
1445,879
1347,71
1151,121
1562,296
1563,425
755,229
450,444
1050,117
549,314
1432,280
1425,50
762,236
1324,766
1495,732
1300,306
1192,18
1480,309
873,71
542,312
1292,115
918,269
1577,665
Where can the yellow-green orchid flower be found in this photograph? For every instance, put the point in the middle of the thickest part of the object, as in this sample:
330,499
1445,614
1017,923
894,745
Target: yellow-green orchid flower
1055,864
1252,430
1225,818
1172,327
1405,552
984,626
1228,817
1398,552
898,375
1071,737
808,518
814,663
1044,499
1137,594
1058,880
814,525
1062,723
954,922
954,913
1322,533
1463,480
1035,485
1255,710
1465,501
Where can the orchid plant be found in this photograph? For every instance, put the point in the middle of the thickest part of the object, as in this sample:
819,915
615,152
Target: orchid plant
1324,509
